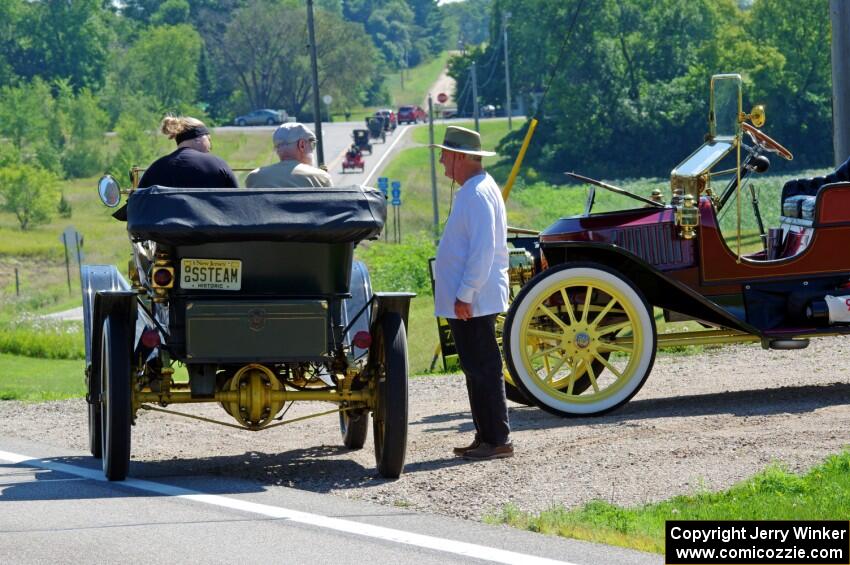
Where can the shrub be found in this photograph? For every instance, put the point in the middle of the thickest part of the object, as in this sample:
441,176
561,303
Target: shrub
29,192
64,207
402,267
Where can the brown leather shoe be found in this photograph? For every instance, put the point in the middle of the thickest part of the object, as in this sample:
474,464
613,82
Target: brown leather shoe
462,450
487,451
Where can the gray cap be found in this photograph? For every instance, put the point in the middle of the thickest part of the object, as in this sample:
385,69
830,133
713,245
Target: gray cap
291,132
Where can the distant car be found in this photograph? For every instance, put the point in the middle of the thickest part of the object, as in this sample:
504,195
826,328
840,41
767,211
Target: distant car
261,117
411,115
488,111
391,121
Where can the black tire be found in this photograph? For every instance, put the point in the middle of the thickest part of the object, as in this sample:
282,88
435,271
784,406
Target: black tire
354,426
94,416
390,416
270,122
515,395
115,397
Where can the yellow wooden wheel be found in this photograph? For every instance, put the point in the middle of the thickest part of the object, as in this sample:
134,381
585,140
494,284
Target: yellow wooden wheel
580,339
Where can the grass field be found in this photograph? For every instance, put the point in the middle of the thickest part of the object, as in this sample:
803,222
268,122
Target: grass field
774,494
32,379
417,81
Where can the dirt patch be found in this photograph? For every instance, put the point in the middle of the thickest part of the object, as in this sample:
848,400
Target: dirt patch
700,422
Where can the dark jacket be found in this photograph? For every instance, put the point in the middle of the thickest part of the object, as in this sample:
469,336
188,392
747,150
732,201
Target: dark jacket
189,168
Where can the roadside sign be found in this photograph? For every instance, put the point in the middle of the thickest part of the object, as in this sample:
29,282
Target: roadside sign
442,97
383,184
327,99
396,193
71,238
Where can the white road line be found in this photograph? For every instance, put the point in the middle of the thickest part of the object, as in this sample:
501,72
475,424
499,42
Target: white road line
355,528
387,152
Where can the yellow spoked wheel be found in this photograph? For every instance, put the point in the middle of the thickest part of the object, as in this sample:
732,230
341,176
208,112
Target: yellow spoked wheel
579,339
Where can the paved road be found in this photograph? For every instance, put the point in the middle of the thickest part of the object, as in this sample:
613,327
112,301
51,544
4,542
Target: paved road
55,507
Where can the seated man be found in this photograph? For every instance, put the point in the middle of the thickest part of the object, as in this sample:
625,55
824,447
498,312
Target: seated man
294,144
811,186
353,152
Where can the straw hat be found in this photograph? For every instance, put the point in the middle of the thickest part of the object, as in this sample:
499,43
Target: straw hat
462,140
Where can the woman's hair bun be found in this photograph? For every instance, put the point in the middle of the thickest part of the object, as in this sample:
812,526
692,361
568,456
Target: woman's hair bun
172,126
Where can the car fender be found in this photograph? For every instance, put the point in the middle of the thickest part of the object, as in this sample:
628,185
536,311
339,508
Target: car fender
660,290
95,279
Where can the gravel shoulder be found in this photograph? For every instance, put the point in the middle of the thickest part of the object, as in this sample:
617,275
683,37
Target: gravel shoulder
701,422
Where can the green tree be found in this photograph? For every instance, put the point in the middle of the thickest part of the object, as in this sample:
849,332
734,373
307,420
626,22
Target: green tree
9,38
400,29
629,91
163,63
29,192
171,12
797,89
138,142
469,21
81,125
61,39
264,49
25,113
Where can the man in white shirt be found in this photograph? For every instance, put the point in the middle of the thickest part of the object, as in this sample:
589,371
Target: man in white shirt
471,288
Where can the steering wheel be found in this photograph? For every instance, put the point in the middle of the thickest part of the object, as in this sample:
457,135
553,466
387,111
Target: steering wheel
766,141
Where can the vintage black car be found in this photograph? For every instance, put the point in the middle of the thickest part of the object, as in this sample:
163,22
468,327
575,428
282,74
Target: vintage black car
361,140
257,294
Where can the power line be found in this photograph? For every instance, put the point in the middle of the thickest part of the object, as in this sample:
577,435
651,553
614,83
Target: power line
560,57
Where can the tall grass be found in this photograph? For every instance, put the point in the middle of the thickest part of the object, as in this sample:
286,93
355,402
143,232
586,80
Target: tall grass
43,338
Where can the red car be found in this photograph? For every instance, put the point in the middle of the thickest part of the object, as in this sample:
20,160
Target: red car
411,115
580,337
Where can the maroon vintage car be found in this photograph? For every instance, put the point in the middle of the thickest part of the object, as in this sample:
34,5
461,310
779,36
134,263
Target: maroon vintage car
580,337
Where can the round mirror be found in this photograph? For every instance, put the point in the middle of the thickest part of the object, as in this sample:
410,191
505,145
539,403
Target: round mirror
757,116
109,191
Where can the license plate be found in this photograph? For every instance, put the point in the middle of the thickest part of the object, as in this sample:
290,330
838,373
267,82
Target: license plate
211,274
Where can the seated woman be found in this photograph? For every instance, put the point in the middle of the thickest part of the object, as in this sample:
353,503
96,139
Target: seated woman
191,165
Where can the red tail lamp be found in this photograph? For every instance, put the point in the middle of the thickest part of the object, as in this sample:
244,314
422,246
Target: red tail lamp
150,338
163,277
362,339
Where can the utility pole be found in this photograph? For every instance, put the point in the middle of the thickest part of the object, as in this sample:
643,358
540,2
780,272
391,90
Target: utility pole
403,63
317,109
505,17
839,11
475,96
433,166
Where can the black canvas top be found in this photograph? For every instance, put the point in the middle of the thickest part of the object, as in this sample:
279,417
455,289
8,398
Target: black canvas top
186,216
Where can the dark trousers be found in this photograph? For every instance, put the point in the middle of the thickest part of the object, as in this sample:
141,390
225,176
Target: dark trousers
481,361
